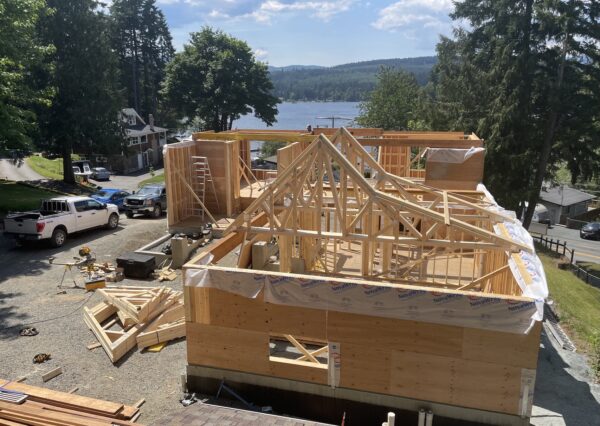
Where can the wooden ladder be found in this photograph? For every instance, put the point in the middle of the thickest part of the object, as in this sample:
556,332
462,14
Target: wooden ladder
201,177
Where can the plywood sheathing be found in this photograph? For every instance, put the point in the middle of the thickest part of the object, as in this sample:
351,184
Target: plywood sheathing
432,362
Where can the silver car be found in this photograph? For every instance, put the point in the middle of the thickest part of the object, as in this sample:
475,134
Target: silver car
100,173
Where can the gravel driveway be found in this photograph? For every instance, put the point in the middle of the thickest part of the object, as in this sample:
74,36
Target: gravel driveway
565,393
28,294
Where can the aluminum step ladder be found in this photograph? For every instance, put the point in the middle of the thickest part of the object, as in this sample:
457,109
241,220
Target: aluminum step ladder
201,179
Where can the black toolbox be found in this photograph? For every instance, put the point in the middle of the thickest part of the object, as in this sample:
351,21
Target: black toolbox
136,265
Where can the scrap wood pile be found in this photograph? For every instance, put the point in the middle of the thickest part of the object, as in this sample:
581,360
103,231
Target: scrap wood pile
142,316
22,404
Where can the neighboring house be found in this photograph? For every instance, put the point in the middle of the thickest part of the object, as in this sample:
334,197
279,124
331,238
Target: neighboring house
144,144
564,202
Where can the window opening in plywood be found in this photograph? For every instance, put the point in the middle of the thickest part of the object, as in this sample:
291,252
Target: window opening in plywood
285,347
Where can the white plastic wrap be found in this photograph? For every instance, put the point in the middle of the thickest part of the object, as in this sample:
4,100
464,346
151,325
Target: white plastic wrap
451,155
382,300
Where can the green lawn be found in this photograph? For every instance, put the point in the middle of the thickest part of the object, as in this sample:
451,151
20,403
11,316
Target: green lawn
51,169
16,197
592,268
154,179
577,303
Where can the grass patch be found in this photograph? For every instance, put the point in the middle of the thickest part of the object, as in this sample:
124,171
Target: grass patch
154,179
16,197
592,268
51,169
578,305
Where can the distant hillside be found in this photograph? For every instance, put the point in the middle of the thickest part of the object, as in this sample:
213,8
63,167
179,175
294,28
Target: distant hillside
347,82
295,68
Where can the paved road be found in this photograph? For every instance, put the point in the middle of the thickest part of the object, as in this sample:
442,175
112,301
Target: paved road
585,250
128,183
10,171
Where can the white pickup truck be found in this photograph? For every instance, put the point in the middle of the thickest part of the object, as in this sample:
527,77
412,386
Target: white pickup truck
59,217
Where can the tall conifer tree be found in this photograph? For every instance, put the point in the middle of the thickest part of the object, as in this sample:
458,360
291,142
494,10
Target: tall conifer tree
517,77
84,113
144,45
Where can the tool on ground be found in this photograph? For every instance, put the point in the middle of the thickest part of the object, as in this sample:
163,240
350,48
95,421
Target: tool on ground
39,358
29,331
237,396
86,259
188,399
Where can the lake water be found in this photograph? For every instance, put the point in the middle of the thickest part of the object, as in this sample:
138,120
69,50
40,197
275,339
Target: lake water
297,115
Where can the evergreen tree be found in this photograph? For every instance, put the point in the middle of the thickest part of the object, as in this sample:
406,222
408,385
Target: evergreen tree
85,111
217,79
506,79
21,52
393,103
144,45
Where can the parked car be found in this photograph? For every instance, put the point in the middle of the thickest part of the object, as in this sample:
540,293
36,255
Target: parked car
591,230
150,200
82,168
59,217
111,196
100,173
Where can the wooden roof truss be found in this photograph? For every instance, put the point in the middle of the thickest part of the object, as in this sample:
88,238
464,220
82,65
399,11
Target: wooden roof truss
323,199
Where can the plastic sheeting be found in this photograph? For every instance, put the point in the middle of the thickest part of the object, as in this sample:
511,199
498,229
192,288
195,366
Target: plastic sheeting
537,288
407,303
451,155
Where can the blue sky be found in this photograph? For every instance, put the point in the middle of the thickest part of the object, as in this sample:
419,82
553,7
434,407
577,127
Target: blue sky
317,32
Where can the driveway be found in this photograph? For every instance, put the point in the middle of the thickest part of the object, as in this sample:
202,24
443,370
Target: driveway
585,250
126,182
12,171
29,296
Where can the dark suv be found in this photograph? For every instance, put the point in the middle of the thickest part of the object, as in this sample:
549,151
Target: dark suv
150,200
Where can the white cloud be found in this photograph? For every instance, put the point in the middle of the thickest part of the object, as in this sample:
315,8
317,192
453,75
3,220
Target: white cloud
261,54
405,13
264,12
322,9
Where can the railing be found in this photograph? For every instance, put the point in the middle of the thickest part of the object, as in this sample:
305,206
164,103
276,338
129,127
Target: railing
561,248
585,275
556,246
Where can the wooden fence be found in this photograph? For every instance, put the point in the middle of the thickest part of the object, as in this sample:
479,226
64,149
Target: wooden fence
560,247
556,246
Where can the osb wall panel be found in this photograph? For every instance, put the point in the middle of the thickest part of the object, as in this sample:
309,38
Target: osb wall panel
464,175
453,365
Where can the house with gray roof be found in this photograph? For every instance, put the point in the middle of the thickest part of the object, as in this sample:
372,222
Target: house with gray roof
145,142
142,147
564,202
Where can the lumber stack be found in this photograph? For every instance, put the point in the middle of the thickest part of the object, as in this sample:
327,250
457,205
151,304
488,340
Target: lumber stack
131,316
49,407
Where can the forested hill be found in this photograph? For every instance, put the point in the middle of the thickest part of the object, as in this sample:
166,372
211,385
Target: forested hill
347,82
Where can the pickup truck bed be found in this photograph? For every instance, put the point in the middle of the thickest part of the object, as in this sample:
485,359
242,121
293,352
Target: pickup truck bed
59,217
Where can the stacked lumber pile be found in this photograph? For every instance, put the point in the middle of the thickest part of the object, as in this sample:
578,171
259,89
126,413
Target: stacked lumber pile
135,316
44,407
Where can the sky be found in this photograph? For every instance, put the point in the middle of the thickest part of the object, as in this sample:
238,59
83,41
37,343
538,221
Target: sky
317,32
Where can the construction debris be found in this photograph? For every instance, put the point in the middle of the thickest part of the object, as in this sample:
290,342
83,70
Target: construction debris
52,374
144,316
29,331
167,274
39,358
32,405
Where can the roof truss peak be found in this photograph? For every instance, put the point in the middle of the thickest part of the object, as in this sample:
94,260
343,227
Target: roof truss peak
329,176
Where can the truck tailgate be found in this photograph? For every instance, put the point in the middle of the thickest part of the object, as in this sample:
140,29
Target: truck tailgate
21,225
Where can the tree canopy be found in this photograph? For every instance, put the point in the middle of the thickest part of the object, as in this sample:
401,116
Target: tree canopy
144,46
84,112
522,76
21,52
393,103
217,79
